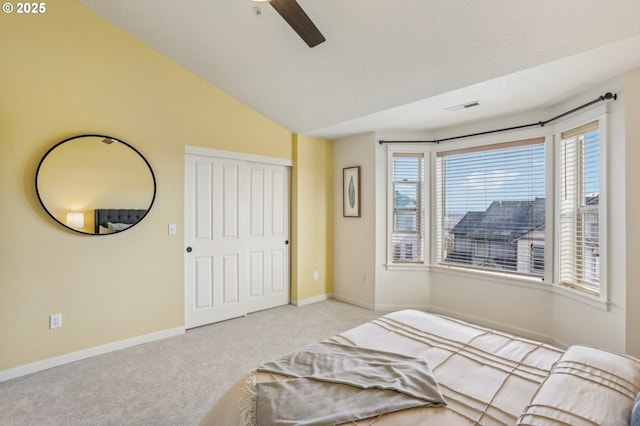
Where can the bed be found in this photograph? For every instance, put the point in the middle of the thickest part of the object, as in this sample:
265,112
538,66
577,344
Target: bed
485,376
108,221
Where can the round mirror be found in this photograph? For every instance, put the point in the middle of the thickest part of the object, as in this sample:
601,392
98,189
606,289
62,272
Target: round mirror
95,184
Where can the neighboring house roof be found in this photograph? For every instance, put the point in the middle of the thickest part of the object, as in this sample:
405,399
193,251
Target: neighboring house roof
467,223
503,220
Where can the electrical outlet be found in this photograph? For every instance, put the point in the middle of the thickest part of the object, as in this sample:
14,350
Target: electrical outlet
316,275
55,321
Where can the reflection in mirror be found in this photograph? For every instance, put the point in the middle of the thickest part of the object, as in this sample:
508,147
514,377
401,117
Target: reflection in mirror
95,184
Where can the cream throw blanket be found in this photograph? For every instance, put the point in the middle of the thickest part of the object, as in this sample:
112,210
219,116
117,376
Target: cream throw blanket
333,383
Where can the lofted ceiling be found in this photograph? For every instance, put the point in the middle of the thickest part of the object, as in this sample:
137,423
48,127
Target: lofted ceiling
390,64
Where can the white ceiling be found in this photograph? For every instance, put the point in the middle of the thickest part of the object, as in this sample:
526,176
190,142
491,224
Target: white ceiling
390,64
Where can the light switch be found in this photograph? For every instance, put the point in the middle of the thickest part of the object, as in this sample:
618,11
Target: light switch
172,229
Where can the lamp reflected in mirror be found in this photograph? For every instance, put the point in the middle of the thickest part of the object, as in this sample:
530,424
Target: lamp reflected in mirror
75,220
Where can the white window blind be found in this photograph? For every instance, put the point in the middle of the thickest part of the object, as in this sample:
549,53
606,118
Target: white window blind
407,236
490,207
579,208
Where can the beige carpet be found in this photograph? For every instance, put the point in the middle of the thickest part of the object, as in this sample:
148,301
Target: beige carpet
172,381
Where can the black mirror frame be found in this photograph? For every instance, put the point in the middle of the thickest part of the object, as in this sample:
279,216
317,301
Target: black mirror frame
153,177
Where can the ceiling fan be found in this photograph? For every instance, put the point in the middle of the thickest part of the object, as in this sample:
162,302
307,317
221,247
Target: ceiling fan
297,19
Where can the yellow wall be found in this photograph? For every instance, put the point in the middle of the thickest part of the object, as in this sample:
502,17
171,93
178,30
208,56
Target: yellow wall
69,72
312,224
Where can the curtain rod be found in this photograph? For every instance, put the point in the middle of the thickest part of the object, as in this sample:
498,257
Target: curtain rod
604,97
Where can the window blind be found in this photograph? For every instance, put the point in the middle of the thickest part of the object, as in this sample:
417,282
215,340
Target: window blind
407,236
579,208
490,207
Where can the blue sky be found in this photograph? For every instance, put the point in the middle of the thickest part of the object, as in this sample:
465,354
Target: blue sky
475,180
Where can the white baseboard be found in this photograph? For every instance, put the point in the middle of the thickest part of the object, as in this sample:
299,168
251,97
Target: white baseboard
353,301
34,367
310,300
391,308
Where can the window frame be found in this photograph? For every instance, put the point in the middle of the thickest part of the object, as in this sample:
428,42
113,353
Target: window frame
601,294
487,143
424,186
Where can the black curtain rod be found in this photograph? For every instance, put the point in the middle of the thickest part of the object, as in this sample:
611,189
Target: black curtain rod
604,97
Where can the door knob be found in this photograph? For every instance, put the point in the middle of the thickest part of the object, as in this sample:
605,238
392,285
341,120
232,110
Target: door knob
286,242
189,249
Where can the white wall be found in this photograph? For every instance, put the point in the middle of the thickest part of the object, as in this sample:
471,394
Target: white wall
395,289
354,237
632,198
533,310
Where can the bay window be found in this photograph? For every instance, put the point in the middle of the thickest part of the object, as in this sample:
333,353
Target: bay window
529,208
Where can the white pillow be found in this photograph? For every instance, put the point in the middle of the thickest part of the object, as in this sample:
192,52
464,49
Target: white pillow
115,227
586,386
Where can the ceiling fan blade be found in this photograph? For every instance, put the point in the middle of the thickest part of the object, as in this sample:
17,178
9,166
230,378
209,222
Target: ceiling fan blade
297,19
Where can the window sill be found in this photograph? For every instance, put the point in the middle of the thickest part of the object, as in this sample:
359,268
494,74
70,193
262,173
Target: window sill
406,267
494,277
581,297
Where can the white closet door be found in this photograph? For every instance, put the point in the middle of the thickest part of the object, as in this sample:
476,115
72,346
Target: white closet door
236,232
268,236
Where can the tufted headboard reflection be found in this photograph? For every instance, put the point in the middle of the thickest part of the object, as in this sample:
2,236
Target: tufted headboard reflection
120,216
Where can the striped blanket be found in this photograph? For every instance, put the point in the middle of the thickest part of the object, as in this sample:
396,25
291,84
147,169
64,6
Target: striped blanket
487,377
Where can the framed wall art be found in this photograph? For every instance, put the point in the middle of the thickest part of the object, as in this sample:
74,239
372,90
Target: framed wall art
351,191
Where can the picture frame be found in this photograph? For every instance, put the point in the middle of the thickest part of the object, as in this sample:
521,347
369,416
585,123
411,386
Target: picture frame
351,191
